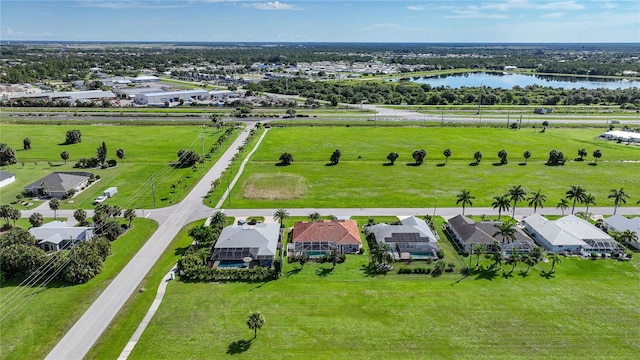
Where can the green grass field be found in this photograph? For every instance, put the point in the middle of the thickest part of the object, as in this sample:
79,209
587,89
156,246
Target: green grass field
361,179
39,317
149,152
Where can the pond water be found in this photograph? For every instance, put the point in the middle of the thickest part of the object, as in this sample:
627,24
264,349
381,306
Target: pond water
509,80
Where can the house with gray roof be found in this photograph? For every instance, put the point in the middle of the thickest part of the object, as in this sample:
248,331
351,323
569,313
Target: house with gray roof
58,184
468,233
6,178
413,238
621,223
569,234
239,243
57,235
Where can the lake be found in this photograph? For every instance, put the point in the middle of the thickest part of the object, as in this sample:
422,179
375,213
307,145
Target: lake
509,80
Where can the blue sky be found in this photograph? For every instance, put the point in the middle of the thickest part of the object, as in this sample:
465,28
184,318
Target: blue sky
322,21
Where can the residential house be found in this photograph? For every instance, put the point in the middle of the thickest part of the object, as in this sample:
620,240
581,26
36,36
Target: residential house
621,223
59,184
246,246
412,238
468,233
321,237
6,178
57,235
569,234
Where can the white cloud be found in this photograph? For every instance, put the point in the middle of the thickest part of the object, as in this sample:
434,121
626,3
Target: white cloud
117,4
475,14
561,5
275,5
416,7
554,15
609,5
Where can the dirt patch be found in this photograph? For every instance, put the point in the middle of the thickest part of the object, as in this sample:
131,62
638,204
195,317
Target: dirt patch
274,187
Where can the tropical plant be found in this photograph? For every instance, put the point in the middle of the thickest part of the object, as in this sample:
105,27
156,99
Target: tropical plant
65,156
576,193
335,157
120,153
554,259
7,155
286,158
477,156
506,230
464,198
515,194
447,154
80,215
556,158
73,137
218,220
628,236
36,219
392,157
26,144
619,197
529,261
502,154
130,214
418,156
513,259
255,321
581,154
314,217
381,254
589,199
596,155
563,205
526,155
477,249
281,215
497,259
502,203
537,200
54,204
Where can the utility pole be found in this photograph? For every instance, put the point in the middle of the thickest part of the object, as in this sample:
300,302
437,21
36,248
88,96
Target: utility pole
201,136
229,188
153,191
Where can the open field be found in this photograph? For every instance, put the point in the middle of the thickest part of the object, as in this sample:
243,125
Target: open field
586,310
149,152
41,316
361,179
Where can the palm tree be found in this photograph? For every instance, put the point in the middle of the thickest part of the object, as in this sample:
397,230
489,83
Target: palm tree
218,220
130,214
513,259
628,236
381,254
314,217
537,200
54,204
392,157
281,215
576,193
618,197
589,200
529,261
477,249
563,205
465,198
446,153
582,153
506,230
477,156
497,259
255,321
555,259
596,155
80,215
516,194
526,155
502,203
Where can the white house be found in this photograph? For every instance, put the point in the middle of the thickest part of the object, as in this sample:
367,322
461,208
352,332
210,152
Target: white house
6,178
569,234
56,235
237,243
413,236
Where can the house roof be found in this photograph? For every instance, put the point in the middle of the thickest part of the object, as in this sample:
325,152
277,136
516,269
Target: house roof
61,181
566,231
412,229
261,239
622,223
484,232
6,175
57,231
342,232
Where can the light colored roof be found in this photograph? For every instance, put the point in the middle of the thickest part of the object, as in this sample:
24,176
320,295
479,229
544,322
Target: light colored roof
412,229
59,231
145,78
61,181
6,175
262,237
622,223
566,231
178,93
73,95
342,232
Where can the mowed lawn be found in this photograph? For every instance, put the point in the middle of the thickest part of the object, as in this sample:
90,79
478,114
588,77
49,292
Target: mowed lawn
33,320
361,179
588,310
149,152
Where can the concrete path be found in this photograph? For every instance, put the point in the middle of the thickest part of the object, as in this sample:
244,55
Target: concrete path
86,331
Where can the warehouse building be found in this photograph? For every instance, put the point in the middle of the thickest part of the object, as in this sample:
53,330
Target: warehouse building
171,97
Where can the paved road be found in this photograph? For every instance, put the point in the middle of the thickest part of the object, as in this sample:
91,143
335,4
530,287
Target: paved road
86,331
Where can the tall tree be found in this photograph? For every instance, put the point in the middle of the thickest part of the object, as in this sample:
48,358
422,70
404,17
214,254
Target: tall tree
502,203
447,154
576,193
73,137
281,215
255,321
14,214
65,156
335,157
130,214
582,153
506,230
26,143
515,194
218,220
477,156
596,155
54,204
477,249
418,156
563,205
101,153
526,155
619,197
503,155
527,260
628,236
554,259
7,155
286,158
80,215
537,200
36,219
589,199
464,197
392,157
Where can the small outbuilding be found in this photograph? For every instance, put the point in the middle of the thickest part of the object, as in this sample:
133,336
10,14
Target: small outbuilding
6,178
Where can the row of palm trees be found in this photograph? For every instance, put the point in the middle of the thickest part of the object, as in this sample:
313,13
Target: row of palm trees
530,259
576,194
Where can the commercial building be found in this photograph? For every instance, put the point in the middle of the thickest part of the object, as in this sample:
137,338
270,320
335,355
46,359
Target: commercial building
171,97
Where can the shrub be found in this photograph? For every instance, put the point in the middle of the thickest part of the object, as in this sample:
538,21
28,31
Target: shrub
112,162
